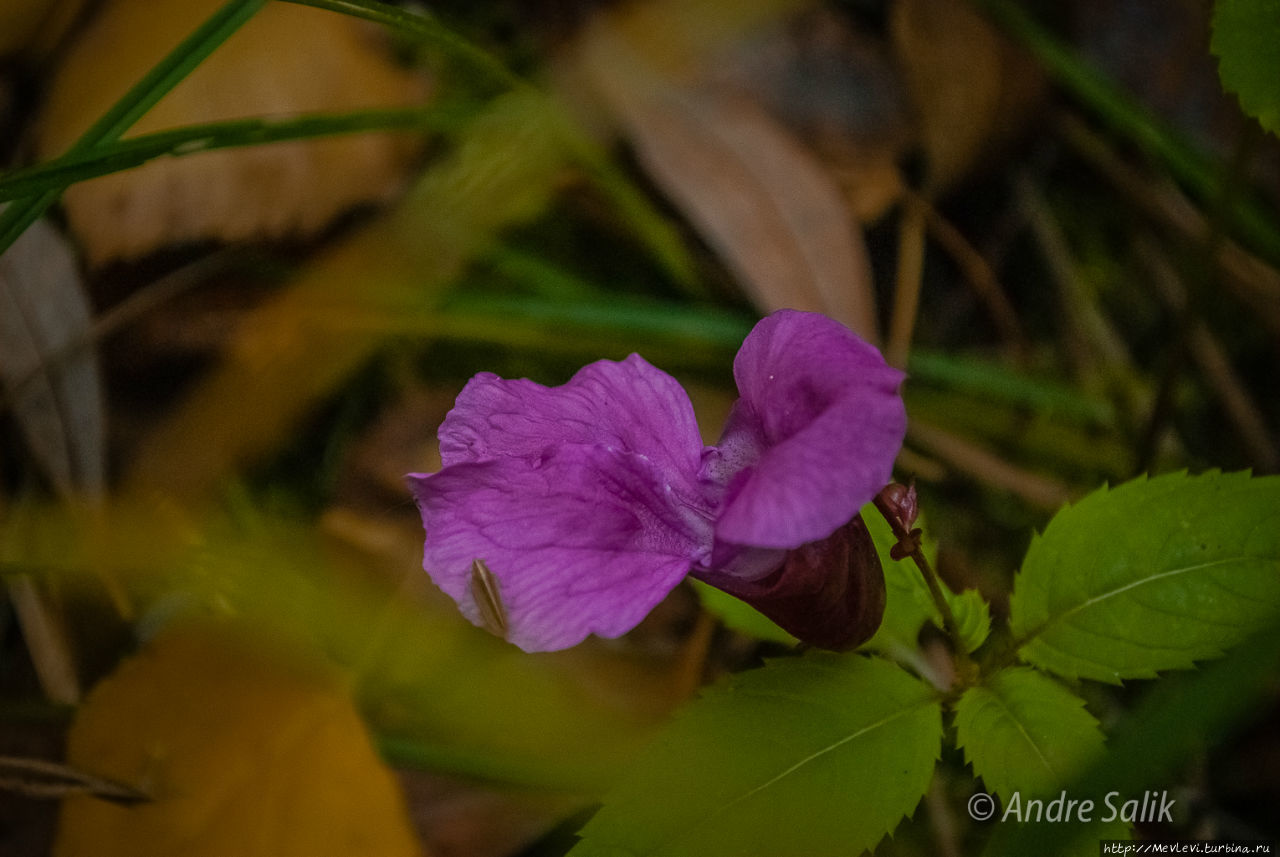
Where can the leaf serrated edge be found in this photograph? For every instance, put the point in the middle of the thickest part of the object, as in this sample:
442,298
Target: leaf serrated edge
1080,705
1110,491
826,662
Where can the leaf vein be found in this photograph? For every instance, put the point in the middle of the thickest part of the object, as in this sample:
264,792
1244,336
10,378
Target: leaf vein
1103,596
832,747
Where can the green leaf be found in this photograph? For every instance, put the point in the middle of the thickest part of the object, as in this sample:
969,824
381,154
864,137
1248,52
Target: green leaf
1246,41
739,615
1174,723
819,755
973,617
1152,575
1023,732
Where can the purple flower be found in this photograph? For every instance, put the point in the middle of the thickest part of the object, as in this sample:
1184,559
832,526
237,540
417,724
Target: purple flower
589,502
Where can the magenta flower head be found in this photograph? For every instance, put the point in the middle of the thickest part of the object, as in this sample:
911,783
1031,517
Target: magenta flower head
585,504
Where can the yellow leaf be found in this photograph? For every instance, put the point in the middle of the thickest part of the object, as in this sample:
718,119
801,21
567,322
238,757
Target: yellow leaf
287,60
245,753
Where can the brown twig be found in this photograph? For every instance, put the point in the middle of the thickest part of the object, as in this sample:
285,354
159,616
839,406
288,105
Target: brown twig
907,283
1252,281
967,457
978,273
40,778
909,546
1091,340
1245,416
691,663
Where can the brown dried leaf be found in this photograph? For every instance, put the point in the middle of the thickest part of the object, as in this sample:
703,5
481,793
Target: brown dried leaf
972,89
756,194
288,59
50,379
51,382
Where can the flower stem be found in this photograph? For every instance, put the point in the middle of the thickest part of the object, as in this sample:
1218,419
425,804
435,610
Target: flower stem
909,546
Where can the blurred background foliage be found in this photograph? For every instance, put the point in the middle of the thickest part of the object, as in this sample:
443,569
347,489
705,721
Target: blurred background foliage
251,252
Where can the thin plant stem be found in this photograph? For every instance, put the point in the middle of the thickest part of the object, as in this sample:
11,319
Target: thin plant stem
40,778
907,538
1126,116
425,29
980,276
1201,264
86,164
907,283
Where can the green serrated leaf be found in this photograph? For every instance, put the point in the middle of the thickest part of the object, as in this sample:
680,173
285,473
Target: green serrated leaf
1175,722
1023,732
818,755
1153,575
1246,41
972,616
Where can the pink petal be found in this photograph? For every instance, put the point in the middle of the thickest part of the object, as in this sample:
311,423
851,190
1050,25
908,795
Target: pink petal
585,541
628,405
813,437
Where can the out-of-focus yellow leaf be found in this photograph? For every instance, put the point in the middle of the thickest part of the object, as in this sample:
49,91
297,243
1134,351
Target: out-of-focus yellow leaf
31,27
244,753
972,88
288,59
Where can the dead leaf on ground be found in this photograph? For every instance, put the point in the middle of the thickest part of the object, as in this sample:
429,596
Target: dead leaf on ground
762,201
50,379
973,90
287,60
243,753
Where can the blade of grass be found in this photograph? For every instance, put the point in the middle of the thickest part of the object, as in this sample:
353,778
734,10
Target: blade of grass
140,98
996,381
101,160
425,29
1253,222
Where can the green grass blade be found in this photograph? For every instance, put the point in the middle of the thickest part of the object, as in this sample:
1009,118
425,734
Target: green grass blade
140,98
1253,222
424,29
78,166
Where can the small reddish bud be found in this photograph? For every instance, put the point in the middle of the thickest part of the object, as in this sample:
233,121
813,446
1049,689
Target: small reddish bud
900,501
